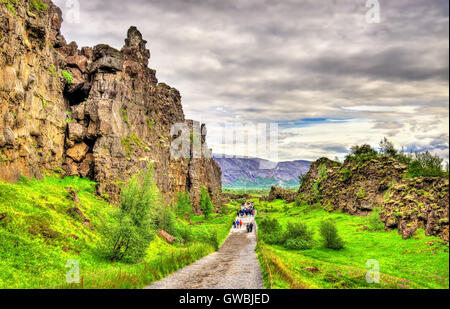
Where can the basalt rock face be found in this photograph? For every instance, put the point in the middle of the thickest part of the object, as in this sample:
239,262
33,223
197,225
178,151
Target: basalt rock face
106,120
358,187
418,203
32,106
352,187
203,170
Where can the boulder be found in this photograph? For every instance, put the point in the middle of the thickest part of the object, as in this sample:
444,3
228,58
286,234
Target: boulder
166,236
78,152
76,131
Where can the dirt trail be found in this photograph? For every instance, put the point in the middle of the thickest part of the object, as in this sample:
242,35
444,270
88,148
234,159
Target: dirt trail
234,266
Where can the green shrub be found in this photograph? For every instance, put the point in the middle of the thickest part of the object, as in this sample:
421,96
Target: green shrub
298,230
374,221
269,226
185,233
273,238
298,236
299,201
361,153
183,203
166,221
127,238
68,78
125,116
346,174
210,238
37,5
298,244
427,165
323,171
205,202
329,233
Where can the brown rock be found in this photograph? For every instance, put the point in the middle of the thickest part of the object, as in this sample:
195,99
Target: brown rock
77,61
85,167
166,236
78,152
76,131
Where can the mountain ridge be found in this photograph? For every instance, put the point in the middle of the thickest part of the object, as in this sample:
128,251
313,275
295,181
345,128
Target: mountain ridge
242,171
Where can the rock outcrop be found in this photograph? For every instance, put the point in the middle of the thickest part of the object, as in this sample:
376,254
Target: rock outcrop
32,106
282,194
417,203
357,187
94,112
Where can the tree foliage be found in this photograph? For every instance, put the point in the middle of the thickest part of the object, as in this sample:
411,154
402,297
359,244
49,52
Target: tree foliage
330,237
205,202
128,236
183,203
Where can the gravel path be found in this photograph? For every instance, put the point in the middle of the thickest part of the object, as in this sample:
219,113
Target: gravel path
234,266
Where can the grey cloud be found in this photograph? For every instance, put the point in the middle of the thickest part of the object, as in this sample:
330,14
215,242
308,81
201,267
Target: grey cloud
269,60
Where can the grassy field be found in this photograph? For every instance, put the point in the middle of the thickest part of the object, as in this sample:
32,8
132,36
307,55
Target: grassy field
39,233
418,262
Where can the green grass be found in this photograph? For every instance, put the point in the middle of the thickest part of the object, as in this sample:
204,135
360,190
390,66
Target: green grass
418,262
39,234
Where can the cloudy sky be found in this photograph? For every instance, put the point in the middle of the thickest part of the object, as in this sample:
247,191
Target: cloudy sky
317,68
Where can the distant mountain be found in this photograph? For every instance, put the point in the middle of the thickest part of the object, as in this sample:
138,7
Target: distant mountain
246,172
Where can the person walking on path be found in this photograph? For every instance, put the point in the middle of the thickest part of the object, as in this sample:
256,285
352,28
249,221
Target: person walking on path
237,223
234,223
251,227
240,224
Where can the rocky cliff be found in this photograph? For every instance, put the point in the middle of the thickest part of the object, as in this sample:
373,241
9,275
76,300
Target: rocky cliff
90,112
357,187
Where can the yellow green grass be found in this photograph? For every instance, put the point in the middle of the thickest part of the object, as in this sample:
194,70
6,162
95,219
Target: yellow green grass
39,234
418,262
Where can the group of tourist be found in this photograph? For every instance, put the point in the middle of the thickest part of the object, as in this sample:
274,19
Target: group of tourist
247,209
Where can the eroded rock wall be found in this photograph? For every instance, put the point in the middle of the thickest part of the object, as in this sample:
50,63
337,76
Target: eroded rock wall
32,105
91,112
358,187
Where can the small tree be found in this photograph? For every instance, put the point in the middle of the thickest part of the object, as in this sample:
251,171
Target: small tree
426,164
183,203
127,238
329,233
365,150
205,202
387,148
